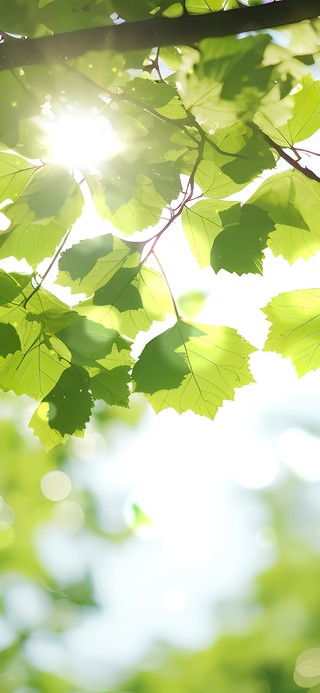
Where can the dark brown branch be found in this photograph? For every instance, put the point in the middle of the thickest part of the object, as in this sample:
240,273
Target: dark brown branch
293,162
158,31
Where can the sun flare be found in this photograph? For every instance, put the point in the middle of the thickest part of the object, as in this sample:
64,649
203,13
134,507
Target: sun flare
83,141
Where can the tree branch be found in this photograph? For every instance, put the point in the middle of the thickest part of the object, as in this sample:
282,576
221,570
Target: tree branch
158,31
293,162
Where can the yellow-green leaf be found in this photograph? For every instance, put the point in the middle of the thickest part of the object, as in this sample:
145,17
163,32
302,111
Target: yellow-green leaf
295,328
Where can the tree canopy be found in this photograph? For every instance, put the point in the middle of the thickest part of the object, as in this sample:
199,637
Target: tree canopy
191,101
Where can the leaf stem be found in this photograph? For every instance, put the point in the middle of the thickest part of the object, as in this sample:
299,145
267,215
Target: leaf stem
32,346
49,268
175,307
307,151
187,196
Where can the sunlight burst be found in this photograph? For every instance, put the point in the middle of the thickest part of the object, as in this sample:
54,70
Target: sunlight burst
80,141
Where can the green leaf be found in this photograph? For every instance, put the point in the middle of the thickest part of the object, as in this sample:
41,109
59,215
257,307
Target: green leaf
236,156
39,423
33,372
138,304
112,386
203,6
132,189
202,224
15,173
193,366
159,96
40,217
106,68
303,38
172,56
51,319
90,264
11,287
228,81
135,11
211,179
9,340
129,200
267,122
306,112
70,402
80,259
49,311
302,111
35,368
35,18
149,92
250,160
239,247
32,242
135,305
295,328
52,192
127,296
16,103
88,341
292,202
120,291
65,410
159,366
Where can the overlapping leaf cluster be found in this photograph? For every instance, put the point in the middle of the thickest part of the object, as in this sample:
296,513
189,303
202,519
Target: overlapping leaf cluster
201,121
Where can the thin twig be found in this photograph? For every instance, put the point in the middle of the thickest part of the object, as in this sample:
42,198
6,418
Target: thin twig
307,151
175,307
49,268
187,197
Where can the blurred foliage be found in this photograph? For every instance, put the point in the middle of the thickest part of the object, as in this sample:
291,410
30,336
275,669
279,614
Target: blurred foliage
277,623
32,598
261,635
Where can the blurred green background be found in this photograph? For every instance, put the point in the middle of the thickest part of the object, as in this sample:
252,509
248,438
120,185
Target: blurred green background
131,563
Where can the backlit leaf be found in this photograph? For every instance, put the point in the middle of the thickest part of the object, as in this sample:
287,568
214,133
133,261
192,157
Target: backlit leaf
203,6
88,341
15,172
120,291
228,81
9,340
239,247
292,202
112,386
193,366
33,373
91,264
70,402
306,112
130,306
10,288
40,217
295,328
39,423
202,224
298,118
